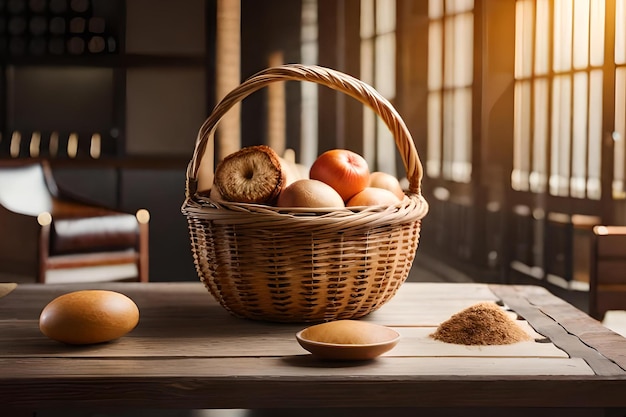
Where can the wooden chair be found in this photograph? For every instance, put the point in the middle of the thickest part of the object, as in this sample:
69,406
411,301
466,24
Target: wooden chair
566,253
44,230
607,281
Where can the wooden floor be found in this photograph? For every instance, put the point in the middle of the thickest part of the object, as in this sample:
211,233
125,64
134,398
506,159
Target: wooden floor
428,269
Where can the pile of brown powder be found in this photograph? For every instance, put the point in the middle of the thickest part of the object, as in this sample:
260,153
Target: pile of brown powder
481,324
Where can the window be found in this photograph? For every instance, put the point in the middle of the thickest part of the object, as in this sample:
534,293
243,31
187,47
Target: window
559,55
308,50
619,130
378,68
450,78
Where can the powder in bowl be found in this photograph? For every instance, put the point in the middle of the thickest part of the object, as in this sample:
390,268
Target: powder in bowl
348,340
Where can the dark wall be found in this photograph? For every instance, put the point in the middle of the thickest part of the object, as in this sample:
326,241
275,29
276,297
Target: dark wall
262,34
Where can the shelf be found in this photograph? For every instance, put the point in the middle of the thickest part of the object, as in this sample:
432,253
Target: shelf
108,61
148,86
128,162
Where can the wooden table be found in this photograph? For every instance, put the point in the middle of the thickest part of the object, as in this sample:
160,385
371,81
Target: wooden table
189,353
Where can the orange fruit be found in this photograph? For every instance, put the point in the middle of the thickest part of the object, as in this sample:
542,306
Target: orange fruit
344,170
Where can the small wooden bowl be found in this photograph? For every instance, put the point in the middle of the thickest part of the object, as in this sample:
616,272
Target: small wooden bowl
347,340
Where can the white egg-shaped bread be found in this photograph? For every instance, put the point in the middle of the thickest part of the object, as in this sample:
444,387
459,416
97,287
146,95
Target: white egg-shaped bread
89,316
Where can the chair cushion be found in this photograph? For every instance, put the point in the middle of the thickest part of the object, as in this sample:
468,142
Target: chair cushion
23,189
78,228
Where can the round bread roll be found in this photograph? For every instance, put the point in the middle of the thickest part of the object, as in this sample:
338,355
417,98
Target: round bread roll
253,174
88,317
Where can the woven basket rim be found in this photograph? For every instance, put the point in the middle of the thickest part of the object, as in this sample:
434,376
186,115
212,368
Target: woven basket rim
412,208
328,77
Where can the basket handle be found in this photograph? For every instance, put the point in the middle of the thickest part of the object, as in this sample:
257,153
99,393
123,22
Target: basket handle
330,78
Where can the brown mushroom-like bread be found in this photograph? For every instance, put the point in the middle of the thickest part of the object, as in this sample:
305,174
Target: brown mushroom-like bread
251,175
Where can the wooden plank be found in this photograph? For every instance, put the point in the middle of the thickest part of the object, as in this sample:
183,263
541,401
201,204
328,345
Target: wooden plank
284,382
416,342
297,367
256,341
429,304
426,305
567,327
444,291
165,299
317,393
420,313
587,329
174,339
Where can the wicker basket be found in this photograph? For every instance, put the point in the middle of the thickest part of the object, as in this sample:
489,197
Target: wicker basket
265,263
